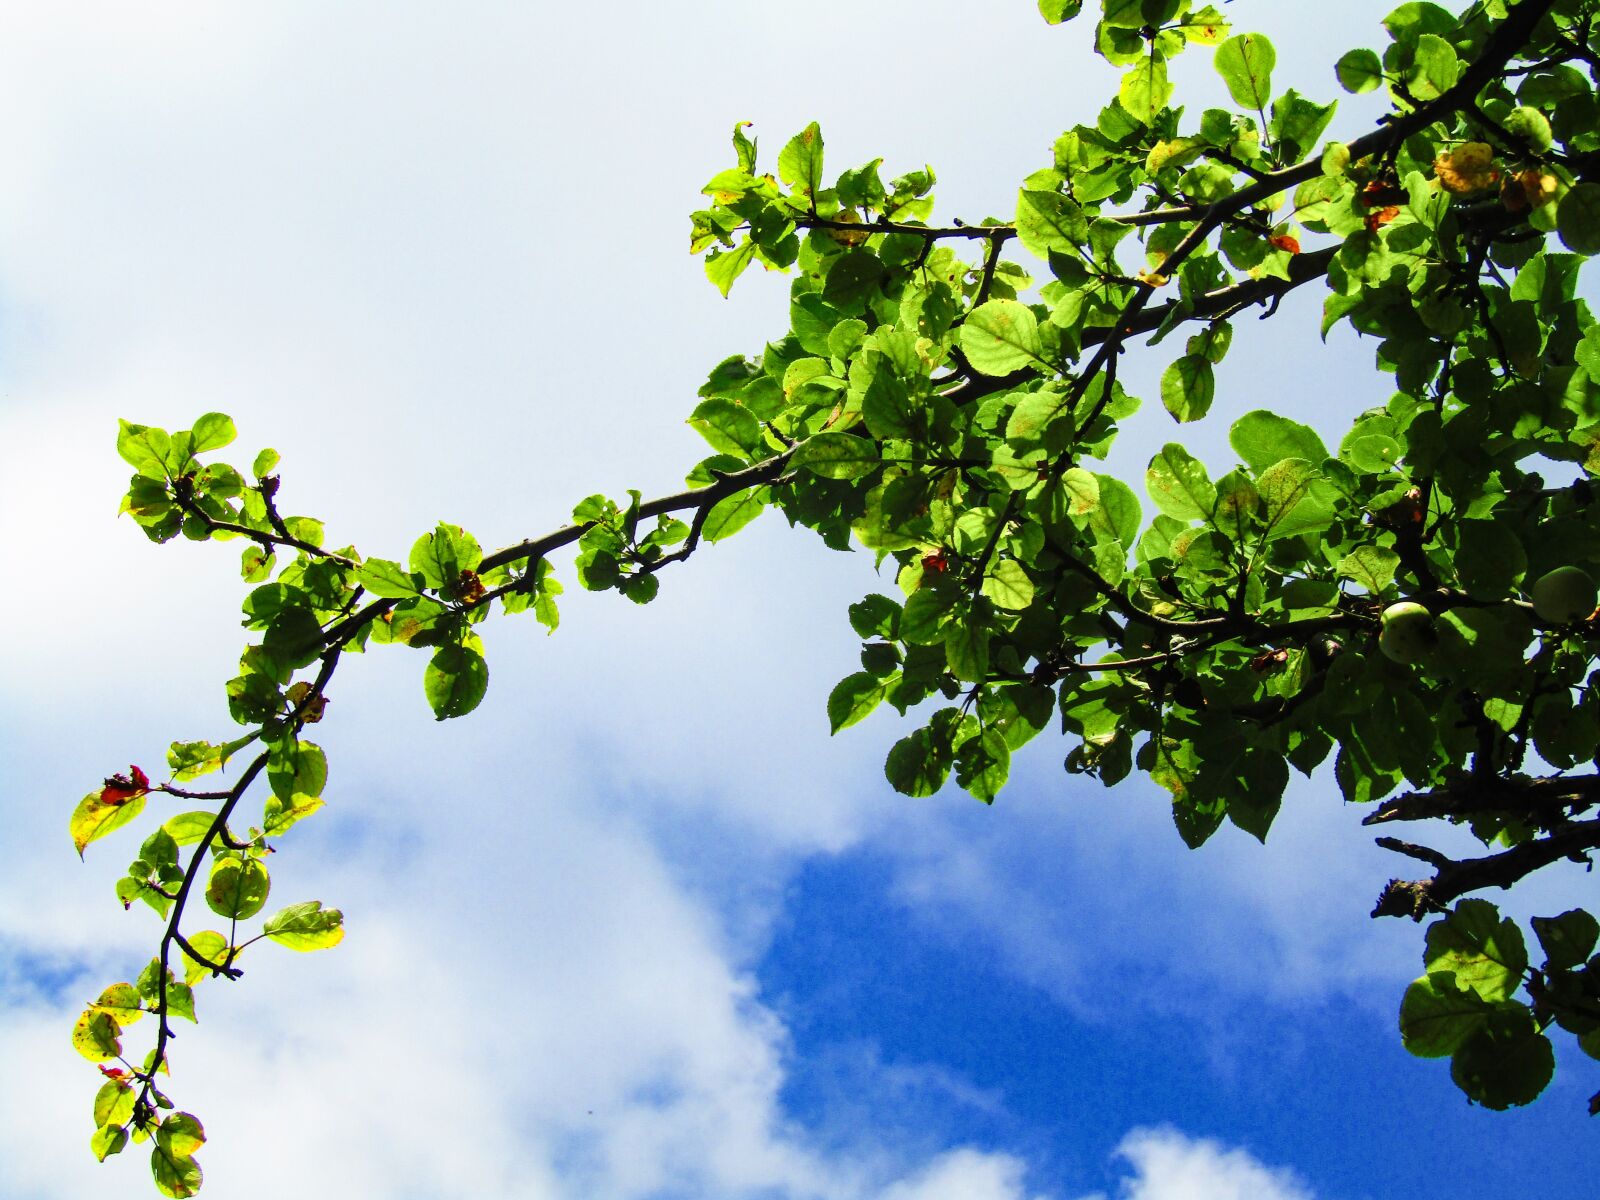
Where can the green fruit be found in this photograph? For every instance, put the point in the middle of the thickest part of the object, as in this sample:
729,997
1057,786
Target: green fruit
1407,635
1530,126
1563,595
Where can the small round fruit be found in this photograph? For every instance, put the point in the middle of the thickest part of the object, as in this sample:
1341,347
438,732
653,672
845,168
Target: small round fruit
1407,635
1531,127
1563,595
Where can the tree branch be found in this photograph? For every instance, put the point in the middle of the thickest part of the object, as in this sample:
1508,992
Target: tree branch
1554,796
1416,898
202,850
765,471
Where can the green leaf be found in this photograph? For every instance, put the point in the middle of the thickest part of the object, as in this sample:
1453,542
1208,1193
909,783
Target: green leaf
922,621
800,162
96,1036
836,456
388,579
1434,67
1049,221
1490,558
1057,11
191,760
455,681
296,769
1578,219
966,650
1290,500
853,278
1001,336
111,1139
1245,62
729,427
885,403
120,1002
1416,17
1507,1062
177,1175
983,763
1008,585
862,186
1567,940
212,945
1436,1016
916,765
1297,123
1372,453
1035,414
95,817
744,147
1208,27
1373,567
440,557
212,432
238,886
181,1133
1145,89
854,697
1481,951
280,816
725,266
144,448
1187,388
1262,438
1179,485
113,1103
1083,491
875,616
306,926
733,513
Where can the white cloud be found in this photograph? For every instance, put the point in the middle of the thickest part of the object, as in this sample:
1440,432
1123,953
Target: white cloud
1170,1165
964,1175
576,1032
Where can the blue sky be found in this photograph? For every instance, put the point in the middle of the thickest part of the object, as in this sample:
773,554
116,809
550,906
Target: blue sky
638,928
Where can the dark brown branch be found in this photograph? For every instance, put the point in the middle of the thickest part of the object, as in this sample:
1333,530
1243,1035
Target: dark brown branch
765,471
1422,853
262,537
201,853
884,225
185,794
1163,216
215,968
1215,305
991,260
1548,798
268,488
1417,898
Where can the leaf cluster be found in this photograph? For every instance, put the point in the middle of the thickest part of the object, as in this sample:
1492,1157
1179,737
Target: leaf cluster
1376,612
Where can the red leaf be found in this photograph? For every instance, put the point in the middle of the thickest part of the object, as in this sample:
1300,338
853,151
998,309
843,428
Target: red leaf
1380,217
120,789
1286,241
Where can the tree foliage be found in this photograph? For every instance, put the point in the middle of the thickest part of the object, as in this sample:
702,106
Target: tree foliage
1412,610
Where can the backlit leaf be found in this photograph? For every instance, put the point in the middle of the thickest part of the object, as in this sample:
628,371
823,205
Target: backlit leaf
306,926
